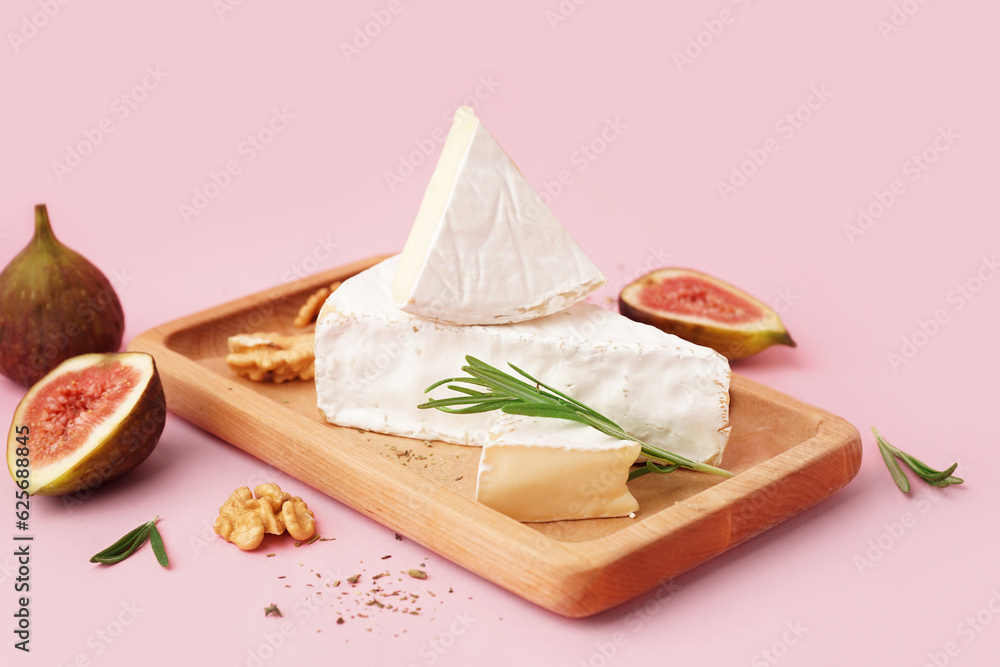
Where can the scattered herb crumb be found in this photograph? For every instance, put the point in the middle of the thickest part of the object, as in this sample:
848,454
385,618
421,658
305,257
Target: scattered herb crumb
417,574
459,477
271,555
398,536
272,610
387,557
340,621
353,579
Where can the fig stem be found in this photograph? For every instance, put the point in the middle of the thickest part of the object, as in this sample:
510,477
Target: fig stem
43,228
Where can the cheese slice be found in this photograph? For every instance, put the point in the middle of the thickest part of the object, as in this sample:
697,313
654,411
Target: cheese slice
484,248
373,362
572,471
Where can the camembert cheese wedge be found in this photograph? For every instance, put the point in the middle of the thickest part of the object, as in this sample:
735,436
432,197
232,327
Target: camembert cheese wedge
373,362
572,471
484,248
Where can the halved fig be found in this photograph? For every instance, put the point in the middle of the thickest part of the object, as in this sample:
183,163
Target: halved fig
91,419
704,310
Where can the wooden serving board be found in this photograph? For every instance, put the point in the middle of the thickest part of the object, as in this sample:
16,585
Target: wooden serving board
787,456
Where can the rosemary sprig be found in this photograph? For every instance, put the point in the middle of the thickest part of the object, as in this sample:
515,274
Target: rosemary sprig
939,478
515,396
130,542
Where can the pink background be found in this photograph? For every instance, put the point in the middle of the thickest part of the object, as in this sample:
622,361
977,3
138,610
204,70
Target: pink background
683,94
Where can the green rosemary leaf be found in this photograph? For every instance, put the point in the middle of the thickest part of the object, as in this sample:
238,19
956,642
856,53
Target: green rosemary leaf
543,410
941,483
485,406
467,390
110,558
927,473
450,401
890,461
651,467
156,541
121,545
447,380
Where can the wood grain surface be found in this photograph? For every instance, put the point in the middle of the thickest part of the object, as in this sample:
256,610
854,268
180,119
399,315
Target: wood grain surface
787,456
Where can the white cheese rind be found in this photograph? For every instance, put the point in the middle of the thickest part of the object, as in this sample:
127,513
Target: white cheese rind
572,471
374,361
484,248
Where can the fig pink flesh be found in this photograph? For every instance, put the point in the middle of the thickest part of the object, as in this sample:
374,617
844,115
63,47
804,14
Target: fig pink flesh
64,412
685,295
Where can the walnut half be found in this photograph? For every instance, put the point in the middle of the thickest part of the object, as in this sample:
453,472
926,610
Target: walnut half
244,520
263,357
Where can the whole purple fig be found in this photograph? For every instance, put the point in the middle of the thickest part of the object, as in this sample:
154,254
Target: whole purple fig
54,304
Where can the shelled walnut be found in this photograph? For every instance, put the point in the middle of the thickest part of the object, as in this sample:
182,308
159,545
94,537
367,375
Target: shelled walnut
264,357
310,309
244,519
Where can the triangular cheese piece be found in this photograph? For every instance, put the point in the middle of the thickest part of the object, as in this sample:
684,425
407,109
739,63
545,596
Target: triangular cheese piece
484,248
